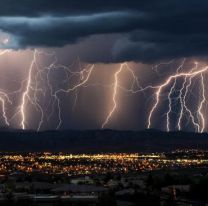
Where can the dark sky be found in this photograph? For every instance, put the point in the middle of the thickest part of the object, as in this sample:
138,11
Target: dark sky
144,30
143,33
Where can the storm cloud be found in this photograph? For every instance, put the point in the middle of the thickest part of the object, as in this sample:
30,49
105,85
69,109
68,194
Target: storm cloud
147,31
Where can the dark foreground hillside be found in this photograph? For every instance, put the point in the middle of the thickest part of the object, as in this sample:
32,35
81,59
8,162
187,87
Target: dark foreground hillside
100,141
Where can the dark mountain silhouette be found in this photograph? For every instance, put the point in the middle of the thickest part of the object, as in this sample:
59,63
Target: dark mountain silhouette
100,141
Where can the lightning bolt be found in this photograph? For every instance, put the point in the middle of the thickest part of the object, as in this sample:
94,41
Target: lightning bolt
160,88
194,122
26,95
116,86
172,79
32,85
201,104
169,98
181,104
4,97
84,77
39,83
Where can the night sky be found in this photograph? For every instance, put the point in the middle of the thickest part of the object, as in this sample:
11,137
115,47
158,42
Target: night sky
118,64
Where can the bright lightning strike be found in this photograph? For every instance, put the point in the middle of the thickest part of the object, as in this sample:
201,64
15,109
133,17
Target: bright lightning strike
117,86
83,80
4,96
175,80
167,82
33,88
26,93
39,84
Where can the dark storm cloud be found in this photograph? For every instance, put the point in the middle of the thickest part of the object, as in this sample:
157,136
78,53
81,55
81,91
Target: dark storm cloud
58,31
152,30
67,7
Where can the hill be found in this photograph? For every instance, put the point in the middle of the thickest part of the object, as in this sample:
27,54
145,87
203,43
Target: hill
100,141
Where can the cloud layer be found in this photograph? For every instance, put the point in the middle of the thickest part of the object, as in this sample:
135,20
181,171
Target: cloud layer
147,31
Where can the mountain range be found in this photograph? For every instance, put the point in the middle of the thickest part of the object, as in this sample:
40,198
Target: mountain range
93,141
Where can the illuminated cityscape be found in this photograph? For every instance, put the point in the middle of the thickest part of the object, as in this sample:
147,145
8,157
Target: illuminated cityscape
109,178
91,164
